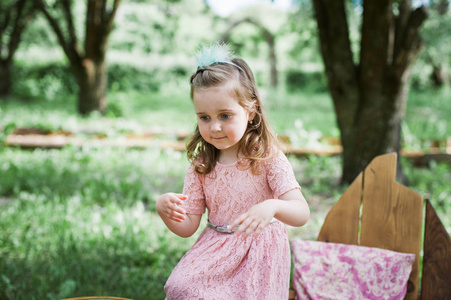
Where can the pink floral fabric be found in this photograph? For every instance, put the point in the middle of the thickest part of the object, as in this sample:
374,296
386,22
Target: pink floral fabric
225,266
340,271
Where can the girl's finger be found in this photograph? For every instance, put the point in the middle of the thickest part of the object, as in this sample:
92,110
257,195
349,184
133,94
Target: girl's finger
259,229
252,227
176,200
178,209
181,196
176,219
178,216
244,227
238,221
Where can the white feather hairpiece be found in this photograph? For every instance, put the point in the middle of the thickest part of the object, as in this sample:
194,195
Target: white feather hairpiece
216,53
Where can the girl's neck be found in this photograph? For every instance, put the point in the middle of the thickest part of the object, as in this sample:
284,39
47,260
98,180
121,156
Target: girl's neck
228,157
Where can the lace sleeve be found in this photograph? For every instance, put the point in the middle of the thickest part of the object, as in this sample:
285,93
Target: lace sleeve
280,175
195,204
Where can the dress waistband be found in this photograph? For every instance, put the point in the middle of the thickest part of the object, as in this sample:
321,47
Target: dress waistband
228,229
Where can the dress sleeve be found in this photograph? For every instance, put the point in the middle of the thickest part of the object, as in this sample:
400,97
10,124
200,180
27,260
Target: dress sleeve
193,188
280,175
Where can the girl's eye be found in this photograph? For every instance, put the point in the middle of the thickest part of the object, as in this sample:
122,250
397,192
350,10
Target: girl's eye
226,116
204,118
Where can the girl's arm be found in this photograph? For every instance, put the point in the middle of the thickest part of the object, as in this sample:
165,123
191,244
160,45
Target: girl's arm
293,211
175,217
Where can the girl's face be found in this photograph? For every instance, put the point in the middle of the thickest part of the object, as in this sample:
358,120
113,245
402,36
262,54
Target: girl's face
222,121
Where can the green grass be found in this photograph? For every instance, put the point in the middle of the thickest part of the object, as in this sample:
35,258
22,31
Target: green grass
303,116
81,221
67,248
427,118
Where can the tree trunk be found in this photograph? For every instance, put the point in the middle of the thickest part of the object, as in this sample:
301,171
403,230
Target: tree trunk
91,79
89,65
369,97
376,129
14,18
5,78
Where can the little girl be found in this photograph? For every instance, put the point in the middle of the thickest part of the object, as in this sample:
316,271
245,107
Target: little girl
239,173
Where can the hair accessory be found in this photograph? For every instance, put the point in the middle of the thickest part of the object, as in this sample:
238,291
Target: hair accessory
214,54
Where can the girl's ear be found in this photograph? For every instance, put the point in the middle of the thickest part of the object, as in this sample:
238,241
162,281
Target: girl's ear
252,116
253,110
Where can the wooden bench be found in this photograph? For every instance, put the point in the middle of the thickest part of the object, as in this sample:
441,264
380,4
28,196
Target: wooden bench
376,211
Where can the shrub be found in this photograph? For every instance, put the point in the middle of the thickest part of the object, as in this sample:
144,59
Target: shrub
298,80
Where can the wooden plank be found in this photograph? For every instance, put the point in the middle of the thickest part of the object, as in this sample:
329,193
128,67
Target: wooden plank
391,214
436,280
342,222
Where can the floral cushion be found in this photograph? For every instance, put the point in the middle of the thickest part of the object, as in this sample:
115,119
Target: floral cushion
339,271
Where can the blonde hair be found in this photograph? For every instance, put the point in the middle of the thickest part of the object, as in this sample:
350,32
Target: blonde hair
259,142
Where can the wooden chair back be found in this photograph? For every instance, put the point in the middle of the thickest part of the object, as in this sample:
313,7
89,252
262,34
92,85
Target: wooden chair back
376,211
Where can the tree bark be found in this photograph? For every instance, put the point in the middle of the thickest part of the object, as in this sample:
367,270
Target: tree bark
12,24
88,65
5,78
91,79
369,96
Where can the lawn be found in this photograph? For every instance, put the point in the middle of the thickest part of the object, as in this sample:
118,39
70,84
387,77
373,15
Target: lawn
81,220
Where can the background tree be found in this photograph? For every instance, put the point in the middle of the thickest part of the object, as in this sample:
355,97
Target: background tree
14,17
87,63
369,95
437,48
268,37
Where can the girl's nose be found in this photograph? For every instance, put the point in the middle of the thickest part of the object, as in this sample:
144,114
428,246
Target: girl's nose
215,126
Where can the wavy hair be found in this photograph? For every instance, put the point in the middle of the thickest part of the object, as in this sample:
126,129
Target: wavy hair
259,142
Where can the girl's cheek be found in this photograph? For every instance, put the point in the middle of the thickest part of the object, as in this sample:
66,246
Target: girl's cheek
203,132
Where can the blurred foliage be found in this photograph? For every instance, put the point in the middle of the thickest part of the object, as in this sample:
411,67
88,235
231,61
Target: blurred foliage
159,37
54,78
437,47
306,81
427,118
81,220
98,175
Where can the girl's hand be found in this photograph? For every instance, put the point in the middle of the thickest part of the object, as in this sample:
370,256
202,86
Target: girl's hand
255,219
168,206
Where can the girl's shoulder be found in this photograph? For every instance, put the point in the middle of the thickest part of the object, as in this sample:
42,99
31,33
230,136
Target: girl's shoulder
275,155
274,159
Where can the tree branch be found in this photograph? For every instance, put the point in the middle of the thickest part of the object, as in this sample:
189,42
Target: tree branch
104,13
377,17
4,25
335,44
23,17
111,16
92,21
338,61
232,24
72,43
71,53
411,42
106,25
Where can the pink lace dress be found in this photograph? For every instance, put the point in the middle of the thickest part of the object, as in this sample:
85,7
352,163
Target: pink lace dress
227,266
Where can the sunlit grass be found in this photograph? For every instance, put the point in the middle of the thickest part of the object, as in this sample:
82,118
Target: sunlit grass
67,248
81,220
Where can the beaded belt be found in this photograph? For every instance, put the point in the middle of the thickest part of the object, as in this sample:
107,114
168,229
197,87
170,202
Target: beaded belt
228,229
